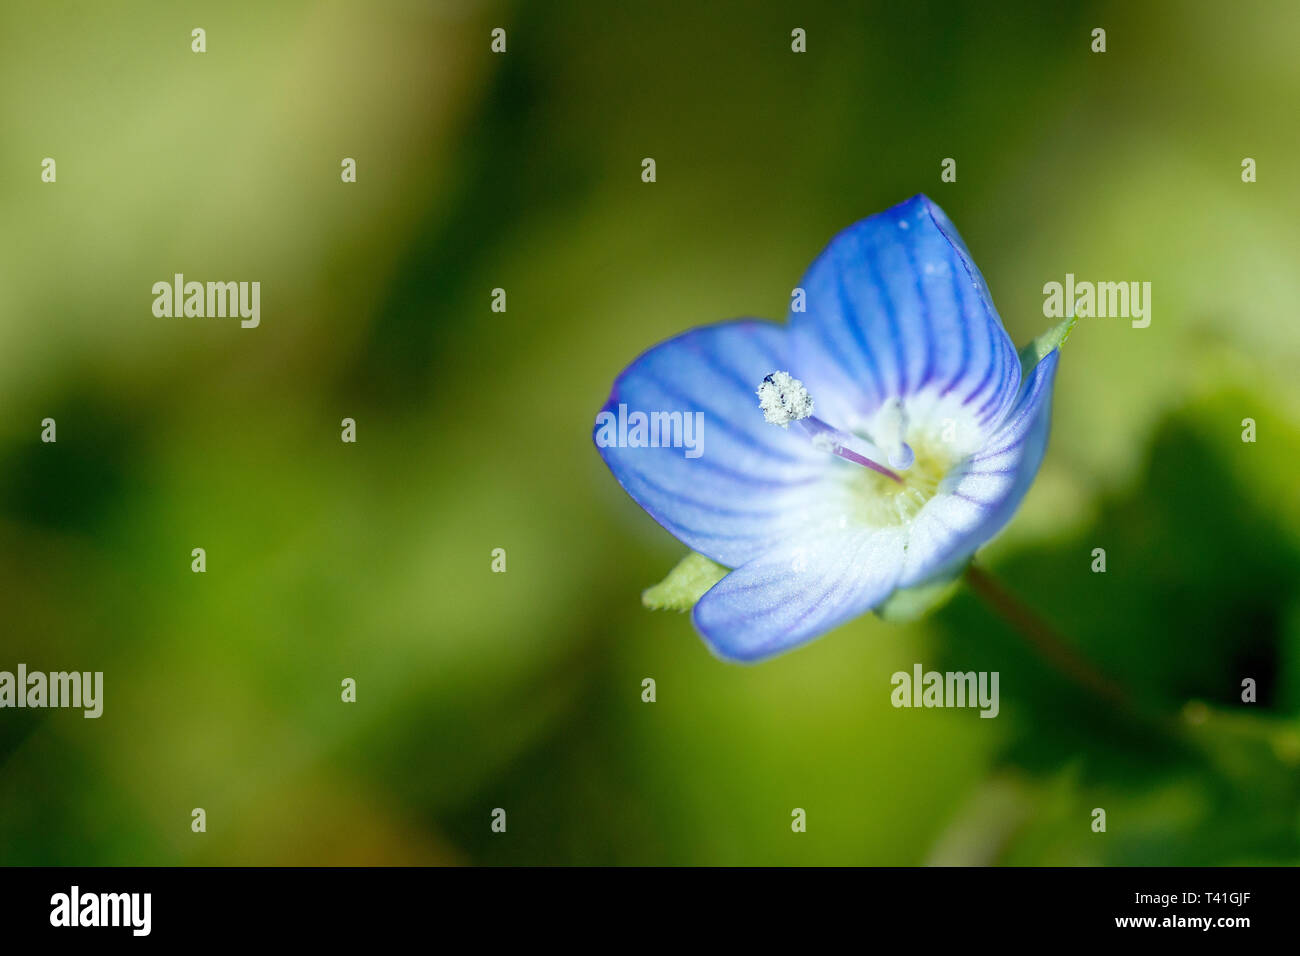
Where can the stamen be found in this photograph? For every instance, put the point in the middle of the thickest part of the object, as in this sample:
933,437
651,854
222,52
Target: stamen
785,399
891,425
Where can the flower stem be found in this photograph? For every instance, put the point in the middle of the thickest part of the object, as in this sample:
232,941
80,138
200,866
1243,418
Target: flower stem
1045,639
1160,724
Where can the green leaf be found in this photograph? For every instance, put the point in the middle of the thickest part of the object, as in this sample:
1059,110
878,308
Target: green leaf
909,604
1035,351
684,585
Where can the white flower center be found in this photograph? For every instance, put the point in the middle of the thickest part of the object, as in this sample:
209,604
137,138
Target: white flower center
875,496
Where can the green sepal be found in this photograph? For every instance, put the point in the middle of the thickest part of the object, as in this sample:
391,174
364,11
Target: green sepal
910,604
1037,350
685,584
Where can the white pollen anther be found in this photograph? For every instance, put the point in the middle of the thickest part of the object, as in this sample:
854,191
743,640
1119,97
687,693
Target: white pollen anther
784,399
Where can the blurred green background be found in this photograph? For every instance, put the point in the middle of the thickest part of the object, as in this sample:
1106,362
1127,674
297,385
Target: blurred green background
522,171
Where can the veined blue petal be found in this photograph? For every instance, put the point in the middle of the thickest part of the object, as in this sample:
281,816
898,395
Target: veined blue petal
752,484
975,501
799,590
895,308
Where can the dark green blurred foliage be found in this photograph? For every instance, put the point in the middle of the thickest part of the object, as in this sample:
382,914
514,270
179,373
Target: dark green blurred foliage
1201,602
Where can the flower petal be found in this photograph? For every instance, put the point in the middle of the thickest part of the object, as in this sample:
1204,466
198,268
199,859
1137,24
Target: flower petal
752,483
897,308
797,591
979,497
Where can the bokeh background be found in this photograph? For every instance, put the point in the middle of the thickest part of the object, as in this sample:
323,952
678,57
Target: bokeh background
522,171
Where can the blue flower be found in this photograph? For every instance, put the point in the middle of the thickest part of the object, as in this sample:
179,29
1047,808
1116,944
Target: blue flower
869,445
